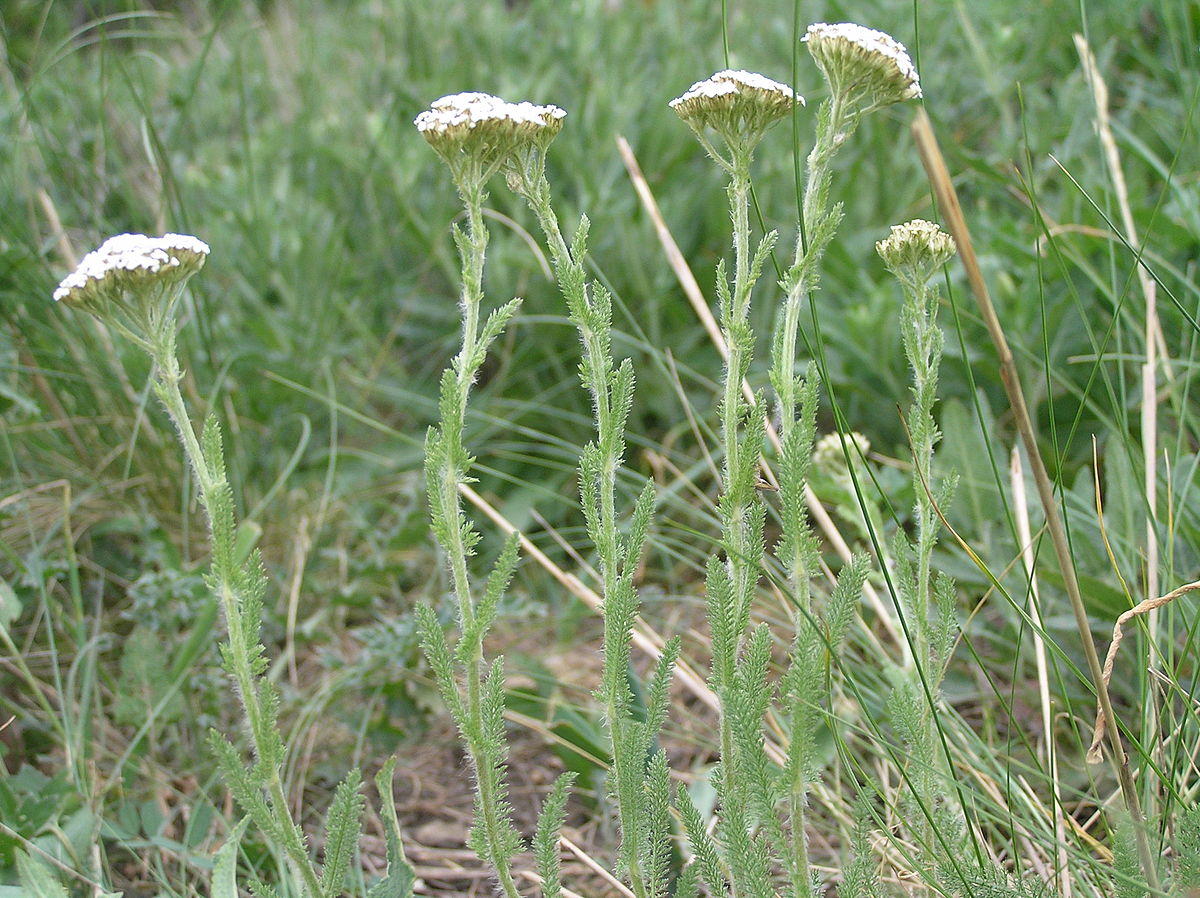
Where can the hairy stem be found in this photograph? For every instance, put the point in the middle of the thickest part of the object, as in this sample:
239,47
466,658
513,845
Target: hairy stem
473,249
212,483
594,326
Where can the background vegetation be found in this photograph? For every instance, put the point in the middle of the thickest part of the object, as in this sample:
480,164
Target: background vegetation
281,134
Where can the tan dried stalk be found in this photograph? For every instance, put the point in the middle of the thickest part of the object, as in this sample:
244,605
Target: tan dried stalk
1095,752
947,200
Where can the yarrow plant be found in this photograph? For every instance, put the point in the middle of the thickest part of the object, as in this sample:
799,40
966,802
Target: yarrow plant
784,679
638,778
913,252
134,283
864,70
512,138
478,135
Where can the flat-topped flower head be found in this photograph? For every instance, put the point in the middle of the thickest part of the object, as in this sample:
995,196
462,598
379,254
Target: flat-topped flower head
134,277
913,251
739,106
132,261
863,66
479,131
733,97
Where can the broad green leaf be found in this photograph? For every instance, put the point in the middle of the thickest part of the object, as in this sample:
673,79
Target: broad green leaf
224,877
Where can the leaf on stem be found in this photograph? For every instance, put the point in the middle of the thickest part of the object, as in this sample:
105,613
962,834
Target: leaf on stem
400,877
342,829
545,839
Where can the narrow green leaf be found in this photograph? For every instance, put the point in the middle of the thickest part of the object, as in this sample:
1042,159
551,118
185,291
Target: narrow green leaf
244,784
437,653
400,877
704,849
658,699
639,524
656,813
1187,846
545,839
343,826
497,585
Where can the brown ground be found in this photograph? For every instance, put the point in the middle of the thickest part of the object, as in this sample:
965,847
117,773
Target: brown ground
434,800
434,795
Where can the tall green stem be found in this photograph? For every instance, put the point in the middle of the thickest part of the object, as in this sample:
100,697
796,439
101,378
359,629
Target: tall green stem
729,609
819,224
592,317
214,491
734,323
454,462
924,342
452,475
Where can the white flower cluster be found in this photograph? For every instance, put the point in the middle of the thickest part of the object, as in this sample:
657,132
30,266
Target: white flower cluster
859,57
739,106
124,257
733,81
455,116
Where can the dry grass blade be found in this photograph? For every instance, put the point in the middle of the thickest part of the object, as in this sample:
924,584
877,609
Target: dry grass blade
1024,532
595,867
1095,753
1153,339
947,200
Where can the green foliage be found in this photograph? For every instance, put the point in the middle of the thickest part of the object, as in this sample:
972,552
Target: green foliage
861,876
1128,879
1187,844
400,877
704,850
224,875
37,879
437,652
29,801
545,839
343,825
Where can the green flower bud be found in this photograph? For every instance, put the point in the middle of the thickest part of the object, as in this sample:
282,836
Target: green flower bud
915,250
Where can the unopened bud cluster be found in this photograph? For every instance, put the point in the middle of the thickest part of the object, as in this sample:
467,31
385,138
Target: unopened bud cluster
827,455
913,251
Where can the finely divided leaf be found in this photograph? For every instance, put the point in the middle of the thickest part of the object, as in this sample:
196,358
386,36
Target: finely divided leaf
545,840
342,829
